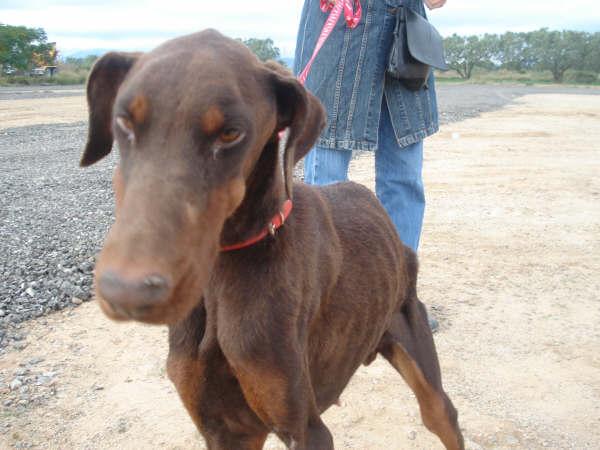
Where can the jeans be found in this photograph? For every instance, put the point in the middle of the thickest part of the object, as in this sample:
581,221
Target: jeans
398,177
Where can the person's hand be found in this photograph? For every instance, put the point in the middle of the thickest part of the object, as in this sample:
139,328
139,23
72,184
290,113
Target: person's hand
433,4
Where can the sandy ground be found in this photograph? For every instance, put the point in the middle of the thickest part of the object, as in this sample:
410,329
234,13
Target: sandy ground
33,111
509,264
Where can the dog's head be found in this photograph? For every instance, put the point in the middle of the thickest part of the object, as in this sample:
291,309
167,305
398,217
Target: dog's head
191,120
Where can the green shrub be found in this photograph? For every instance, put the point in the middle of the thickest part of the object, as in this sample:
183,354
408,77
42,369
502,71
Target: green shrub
532,77
69,77
64,76
17,79
581,77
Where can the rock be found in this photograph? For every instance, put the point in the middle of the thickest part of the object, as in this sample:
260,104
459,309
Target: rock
35,360
15,384
77,292
44,380
512,441
412,435
76,301
29,291
86,266
122,426
21,371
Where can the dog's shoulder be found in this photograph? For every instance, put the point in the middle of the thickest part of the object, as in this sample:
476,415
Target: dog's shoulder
335,199
348,189
350,197
353,209
334,192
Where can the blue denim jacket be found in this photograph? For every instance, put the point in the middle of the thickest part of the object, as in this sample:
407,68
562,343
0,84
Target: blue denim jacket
349,78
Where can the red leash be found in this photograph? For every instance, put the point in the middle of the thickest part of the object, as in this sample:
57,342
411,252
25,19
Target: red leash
353,13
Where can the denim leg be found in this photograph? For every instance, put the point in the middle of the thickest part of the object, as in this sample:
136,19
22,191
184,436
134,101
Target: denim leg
399,182
326,166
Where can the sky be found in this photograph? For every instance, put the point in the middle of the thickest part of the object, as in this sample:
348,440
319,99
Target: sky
141,25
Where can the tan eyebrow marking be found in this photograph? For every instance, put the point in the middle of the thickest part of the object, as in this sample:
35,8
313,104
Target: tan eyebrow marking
212,120
138,108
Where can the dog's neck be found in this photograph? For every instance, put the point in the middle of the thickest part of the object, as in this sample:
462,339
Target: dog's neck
265,194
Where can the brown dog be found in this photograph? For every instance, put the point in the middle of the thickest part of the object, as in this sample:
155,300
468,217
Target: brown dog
265,338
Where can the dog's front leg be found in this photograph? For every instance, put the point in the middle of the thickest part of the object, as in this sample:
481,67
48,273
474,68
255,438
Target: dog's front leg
276,384
284,400
208,389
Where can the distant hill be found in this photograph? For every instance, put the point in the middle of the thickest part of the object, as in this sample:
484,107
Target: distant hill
288,60
84,53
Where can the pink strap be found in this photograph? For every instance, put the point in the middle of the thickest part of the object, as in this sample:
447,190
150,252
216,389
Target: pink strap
352,16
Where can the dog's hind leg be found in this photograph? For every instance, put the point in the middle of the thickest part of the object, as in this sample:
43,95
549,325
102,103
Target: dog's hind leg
408,346
420,369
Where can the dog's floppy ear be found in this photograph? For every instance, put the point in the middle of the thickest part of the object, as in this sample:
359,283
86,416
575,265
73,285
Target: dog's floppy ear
299,110
103,83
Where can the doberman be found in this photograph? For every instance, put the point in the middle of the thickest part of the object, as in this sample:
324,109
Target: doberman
267,323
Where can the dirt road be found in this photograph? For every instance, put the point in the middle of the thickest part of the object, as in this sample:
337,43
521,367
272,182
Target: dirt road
509,264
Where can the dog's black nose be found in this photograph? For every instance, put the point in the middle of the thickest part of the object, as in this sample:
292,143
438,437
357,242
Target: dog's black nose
131,295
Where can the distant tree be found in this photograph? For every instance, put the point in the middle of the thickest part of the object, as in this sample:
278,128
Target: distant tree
81,63
514,51
22,47
591,53
557,51
464,53
488,49
264,48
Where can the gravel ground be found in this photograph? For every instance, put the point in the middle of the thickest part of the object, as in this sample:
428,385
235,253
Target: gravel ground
54,215
27,92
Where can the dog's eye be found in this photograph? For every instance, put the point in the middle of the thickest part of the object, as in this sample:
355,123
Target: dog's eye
230,135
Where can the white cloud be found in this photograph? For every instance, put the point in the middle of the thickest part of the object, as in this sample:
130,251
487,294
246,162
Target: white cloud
131,24
115,24
478,17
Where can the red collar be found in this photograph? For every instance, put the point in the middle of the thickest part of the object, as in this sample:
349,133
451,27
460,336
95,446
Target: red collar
276,222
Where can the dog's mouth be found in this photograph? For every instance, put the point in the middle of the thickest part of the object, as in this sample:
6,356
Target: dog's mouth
151,314
146,313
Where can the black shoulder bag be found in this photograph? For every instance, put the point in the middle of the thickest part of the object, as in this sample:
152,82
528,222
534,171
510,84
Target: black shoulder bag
417,47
